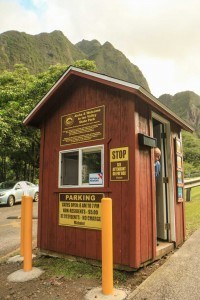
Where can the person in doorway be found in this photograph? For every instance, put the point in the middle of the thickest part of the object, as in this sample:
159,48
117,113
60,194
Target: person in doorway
157,155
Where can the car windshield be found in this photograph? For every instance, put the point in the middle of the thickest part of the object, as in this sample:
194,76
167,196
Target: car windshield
7,185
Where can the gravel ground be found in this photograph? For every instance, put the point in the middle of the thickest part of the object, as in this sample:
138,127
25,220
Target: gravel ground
52,287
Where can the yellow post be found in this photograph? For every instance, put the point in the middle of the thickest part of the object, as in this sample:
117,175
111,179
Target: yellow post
28,202
22,227
107,246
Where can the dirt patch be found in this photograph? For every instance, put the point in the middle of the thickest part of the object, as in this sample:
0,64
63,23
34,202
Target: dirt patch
51,286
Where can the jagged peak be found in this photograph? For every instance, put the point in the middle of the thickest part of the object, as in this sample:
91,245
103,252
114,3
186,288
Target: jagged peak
88,47
94,41
54,32
108,44
188,92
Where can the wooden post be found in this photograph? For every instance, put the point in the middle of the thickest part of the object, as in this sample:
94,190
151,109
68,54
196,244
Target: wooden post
28,202
188,194
107,246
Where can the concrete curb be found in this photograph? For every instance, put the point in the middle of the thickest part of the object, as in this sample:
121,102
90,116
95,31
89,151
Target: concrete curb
178,278
18,258
16,251
19,217
12,253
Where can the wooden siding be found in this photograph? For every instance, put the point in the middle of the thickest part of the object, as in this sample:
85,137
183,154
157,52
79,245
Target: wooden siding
145,188
133,201
119,131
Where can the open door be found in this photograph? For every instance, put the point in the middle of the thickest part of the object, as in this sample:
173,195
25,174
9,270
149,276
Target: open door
161,183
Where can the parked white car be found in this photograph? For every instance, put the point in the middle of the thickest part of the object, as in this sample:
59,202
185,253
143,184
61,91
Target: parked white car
11,192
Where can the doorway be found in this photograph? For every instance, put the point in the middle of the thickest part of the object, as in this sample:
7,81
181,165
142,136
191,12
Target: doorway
162,204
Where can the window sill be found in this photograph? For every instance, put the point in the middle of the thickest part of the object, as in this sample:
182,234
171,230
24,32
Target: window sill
83,190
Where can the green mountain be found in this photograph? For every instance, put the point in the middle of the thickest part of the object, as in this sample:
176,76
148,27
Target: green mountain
186,105
38,52
112,62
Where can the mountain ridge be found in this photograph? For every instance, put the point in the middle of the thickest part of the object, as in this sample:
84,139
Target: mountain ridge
117,64
36,52
40,51
186,105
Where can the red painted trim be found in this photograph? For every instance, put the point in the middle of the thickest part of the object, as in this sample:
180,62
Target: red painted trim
83,190
153,196
135,242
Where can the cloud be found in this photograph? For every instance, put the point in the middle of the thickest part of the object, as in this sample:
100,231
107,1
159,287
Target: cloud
161,37
14,17
157,28
161,28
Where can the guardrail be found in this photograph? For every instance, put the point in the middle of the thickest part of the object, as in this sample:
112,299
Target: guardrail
189,184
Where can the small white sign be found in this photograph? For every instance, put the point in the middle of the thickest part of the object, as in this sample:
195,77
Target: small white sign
96,179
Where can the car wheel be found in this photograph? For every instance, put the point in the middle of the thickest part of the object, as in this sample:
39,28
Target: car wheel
36,197
11,200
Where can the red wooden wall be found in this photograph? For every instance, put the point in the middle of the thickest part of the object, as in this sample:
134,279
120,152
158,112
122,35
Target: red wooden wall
133,203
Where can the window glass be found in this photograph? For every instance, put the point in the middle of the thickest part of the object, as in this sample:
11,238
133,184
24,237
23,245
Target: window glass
17,187
69,172
77,165
91,163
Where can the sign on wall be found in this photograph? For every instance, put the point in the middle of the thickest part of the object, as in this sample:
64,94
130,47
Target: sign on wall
179,170
80,210
119,164
96,179
83,126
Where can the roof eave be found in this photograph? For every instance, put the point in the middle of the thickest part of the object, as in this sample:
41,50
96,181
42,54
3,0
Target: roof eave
130,87
163,108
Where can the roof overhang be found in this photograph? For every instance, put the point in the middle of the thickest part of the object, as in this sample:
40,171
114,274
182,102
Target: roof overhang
72,72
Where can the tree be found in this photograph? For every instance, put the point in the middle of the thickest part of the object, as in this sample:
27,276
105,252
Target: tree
191,153
19,93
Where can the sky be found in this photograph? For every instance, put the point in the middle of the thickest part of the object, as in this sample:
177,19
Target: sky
161,37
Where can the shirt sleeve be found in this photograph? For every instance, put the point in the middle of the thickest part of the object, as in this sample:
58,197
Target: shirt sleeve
157,168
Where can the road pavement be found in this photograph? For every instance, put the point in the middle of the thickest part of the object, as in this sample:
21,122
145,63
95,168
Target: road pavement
10,223
177,279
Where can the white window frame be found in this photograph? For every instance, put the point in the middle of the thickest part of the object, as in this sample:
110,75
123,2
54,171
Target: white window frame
80,152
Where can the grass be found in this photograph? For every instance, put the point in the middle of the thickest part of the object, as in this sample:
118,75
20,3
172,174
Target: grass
73,269
192,210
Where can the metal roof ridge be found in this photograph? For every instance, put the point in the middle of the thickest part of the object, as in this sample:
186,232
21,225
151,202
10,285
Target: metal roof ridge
112,80
83,71
164,107
107,77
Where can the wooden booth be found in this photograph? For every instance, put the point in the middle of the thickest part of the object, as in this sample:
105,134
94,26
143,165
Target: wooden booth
97,140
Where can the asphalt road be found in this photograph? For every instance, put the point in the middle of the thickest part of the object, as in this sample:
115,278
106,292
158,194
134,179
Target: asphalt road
10,227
